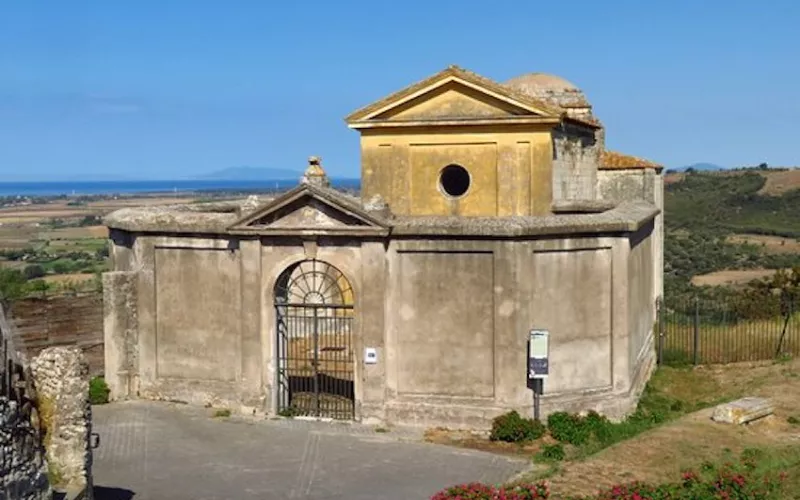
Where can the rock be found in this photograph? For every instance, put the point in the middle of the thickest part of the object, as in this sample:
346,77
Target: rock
742,411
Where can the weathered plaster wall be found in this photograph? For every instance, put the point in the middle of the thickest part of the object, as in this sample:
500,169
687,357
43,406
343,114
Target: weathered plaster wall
642,298
121,254
573,299
510,169
188,303
121,335
190,344
458,314
444,316
23,472
639,184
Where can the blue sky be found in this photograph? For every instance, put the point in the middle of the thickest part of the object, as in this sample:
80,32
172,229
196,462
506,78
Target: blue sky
173,89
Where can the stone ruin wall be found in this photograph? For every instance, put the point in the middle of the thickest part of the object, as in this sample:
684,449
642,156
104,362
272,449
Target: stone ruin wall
23,470
47,447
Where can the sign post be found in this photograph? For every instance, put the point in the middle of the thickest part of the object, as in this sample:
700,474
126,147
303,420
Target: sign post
538,364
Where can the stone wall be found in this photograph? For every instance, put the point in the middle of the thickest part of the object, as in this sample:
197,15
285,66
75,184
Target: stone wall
23,470
61,320
575,158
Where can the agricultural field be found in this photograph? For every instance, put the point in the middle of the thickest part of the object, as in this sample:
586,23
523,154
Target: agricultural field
725,229
59,243
731,277
768,244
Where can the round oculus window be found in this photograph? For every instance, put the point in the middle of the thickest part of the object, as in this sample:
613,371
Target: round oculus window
454,180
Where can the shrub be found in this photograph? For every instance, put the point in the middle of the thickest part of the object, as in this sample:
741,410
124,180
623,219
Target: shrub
33,271
569,428
480,491
551,453
513,428
222,413
98,391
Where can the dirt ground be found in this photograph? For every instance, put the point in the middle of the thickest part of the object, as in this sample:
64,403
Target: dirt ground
662,453
66,278
728,277
781,182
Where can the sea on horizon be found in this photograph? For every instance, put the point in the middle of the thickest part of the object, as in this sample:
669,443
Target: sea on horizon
80,188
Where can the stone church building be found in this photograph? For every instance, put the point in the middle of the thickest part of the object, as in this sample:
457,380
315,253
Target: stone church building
486,210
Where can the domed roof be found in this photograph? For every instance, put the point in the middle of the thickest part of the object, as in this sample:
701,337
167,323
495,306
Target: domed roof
549,88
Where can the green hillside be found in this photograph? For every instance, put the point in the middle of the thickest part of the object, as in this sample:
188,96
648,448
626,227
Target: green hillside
731,203
703,211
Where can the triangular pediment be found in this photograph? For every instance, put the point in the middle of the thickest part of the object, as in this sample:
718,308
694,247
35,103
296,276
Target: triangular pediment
454,94
453,101
309,210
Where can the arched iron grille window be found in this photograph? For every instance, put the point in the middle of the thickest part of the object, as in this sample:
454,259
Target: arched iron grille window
313,282
314,317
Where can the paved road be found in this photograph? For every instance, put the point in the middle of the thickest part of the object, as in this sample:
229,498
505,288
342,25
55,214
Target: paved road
154,451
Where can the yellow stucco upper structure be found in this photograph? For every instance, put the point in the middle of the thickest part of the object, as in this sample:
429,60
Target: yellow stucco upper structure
457,143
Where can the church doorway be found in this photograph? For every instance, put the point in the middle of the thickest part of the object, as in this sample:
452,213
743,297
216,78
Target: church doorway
314,310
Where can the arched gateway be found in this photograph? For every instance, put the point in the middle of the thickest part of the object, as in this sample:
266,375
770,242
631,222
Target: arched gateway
314,311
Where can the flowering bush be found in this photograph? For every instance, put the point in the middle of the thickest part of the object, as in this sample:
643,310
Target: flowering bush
738,480
730,482
480,491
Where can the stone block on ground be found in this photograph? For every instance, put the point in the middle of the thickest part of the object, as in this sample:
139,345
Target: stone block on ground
742,411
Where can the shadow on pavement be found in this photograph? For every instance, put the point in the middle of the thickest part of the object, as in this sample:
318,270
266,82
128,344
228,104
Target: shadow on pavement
106,493
103,493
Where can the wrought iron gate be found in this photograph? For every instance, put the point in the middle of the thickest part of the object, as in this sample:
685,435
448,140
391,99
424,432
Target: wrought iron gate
314,311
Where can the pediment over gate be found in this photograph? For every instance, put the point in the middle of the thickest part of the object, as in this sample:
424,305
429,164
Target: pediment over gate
311,210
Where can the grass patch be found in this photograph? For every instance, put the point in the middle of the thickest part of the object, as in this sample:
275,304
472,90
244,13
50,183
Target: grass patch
222,413
670,394
550,453
289,412
98,391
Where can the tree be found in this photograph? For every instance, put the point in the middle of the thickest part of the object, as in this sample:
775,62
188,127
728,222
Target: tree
784,288
12,284
33,271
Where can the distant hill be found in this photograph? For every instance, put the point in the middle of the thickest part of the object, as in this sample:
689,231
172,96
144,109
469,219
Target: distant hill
699,167
253,174
743,202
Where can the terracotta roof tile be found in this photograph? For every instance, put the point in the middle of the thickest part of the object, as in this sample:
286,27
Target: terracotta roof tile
612,160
